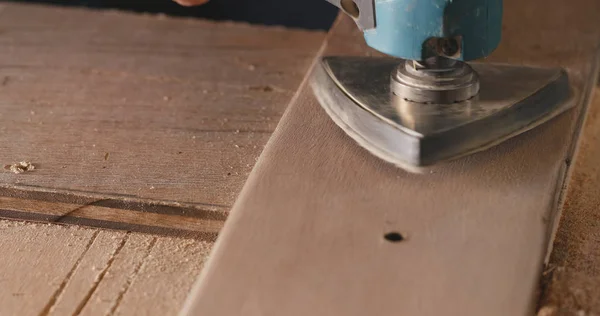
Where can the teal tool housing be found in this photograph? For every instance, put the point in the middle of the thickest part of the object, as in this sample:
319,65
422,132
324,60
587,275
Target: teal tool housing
410,29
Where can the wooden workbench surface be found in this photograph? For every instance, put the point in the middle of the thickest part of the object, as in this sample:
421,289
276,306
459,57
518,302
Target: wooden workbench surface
146,113
127,117
137,122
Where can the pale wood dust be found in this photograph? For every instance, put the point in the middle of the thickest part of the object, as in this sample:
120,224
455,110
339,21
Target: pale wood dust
37,260
149,114
66,270
305,237
572,286
20,167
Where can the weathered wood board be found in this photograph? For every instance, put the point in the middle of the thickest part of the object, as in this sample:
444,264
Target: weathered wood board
154,93
306,235
137,122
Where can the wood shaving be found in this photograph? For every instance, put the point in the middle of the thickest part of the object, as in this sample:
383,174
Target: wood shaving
548,311
20,167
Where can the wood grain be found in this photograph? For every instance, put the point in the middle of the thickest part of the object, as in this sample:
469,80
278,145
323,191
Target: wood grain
161,116
107,295
136,122
35,273
306,235
88,273
571,283
172,263
65,270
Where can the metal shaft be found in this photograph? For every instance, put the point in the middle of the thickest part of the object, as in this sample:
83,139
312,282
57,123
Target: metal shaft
435,80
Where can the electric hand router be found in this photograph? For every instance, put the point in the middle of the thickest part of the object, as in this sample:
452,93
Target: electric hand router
425,104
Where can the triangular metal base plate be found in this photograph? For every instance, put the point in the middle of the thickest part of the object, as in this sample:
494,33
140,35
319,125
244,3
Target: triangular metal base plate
355,92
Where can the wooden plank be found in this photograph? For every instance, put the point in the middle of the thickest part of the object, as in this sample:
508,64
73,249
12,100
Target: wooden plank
61,270
37,261
87,274
571,284
306,235
174,263
108,295
112,217
129,116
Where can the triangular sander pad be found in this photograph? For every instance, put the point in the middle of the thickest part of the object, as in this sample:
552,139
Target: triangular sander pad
355,92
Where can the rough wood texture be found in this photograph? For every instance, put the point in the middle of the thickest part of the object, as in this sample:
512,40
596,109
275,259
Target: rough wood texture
33,273
305,236
60,270
572,277
137,122
134,122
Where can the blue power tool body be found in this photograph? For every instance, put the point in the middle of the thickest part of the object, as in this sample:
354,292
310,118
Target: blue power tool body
415,29
425,104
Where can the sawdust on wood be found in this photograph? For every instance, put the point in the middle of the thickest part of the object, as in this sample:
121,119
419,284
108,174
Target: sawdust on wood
264,88
572,283
547,311
20,167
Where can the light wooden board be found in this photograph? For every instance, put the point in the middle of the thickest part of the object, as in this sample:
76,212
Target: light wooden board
305,236
33,273
572,278
67,270
137,121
